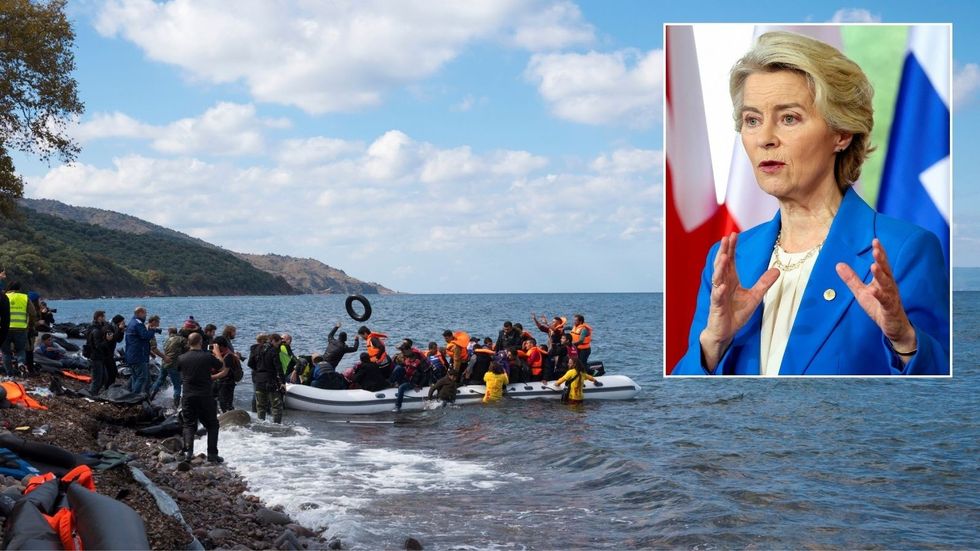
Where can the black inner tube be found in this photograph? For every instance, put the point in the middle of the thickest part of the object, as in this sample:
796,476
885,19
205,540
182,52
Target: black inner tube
350,307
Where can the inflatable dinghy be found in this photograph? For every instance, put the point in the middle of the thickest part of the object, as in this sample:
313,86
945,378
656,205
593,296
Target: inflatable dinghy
308,398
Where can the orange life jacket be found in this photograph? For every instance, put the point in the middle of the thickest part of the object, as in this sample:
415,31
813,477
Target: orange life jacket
577,339
534,359
63,520
378,355
16,394
461,339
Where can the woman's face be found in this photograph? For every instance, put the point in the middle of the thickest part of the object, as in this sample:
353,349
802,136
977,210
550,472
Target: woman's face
791,148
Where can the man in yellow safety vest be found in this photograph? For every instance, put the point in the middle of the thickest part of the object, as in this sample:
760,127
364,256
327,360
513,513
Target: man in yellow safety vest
22,316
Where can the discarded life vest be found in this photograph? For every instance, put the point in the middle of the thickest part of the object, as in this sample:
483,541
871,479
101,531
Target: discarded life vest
17,394
77,517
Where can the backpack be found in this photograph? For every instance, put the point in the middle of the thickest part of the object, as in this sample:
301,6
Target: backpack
88,349
236,370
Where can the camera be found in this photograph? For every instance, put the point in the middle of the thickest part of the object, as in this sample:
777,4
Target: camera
53,310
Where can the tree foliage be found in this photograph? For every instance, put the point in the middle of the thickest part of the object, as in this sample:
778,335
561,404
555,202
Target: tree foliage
38,94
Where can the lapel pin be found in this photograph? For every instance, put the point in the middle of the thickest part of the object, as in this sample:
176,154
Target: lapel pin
829,294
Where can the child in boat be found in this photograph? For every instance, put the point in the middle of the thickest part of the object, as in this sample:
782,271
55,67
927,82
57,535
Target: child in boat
575,379
495,379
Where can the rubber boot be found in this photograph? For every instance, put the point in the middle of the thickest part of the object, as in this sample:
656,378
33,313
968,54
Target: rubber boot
176,403
277,419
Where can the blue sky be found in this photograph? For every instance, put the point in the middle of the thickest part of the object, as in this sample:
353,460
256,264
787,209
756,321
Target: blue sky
496,146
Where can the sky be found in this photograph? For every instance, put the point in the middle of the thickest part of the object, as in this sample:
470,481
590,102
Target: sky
433,147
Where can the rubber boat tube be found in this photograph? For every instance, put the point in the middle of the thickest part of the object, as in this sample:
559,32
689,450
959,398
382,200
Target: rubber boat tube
104,523
349,305
308,398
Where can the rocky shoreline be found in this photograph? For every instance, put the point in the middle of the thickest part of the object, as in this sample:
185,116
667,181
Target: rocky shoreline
214,504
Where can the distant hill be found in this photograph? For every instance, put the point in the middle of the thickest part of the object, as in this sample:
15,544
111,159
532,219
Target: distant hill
62,258
304,275
311,276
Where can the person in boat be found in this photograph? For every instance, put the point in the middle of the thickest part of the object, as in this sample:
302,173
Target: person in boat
437,360
575,378
407,361
828,286
482,356
375,344
445,388
325,376
418,372
198,369
518,371
495,379
582,338
269,380
508,338
368,376
523,335
571,351
173,347
302,373
456,353
553,330
47,348
286,357
337,347
226,384
534,358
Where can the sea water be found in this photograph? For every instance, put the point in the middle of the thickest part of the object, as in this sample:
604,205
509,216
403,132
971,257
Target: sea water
705,464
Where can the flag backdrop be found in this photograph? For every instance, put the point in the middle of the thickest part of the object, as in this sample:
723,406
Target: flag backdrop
711,189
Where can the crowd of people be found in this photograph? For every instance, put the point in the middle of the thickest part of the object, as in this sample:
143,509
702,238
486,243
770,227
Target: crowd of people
204,368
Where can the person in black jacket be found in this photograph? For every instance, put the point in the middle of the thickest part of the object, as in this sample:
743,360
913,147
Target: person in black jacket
337,347
198,370
368,375
268,379
101,340
508,338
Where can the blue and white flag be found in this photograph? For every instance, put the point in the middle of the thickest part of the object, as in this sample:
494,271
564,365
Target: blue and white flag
915,184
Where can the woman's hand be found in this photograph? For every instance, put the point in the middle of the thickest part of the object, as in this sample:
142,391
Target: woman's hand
881,300
731,304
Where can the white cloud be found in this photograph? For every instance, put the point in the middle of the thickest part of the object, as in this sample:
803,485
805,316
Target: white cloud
315,150
554,27
225,129
855,15
389,203
330,56
966,80
622,88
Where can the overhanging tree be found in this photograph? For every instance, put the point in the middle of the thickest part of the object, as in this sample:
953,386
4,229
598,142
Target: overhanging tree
38,94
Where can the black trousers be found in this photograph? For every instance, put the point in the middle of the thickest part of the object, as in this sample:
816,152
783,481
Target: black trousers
226,396
201,409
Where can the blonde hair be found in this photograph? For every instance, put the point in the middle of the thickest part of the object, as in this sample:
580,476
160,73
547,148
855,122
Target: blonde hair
841,91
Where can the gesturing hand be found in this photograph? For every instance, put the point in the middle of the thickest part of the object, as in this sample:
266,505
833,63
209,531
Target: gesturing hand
880,299
731,304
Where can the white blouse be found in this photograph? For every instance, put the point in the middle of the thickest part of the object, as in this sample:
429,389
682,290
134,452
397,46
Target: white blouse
781,303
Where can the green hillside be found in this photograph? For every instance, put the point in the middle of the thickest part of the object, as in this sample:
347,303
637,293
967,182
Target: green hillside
67,259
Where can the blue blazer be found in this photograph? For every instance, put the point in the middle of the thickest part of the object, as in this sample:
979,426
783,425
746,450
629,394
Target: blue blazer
836,336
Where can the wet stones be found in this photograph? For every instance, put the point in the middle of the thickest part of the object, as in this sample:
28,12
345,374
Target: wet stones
268,516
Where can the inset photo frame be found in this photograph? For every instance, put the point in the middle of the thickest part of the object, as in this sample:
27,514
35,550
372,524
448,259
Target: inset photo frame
808,200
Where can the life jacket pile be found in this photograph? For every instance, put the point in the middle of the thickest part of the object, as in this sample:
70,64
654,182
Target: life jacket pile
67,513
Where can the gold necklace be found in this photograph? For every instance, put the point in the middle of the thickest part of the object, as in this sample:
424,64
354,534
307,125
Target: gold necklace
778,263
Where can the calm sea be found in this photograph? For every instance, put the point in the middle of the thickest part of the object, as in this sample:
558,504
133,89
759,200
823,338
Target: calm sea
706,464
